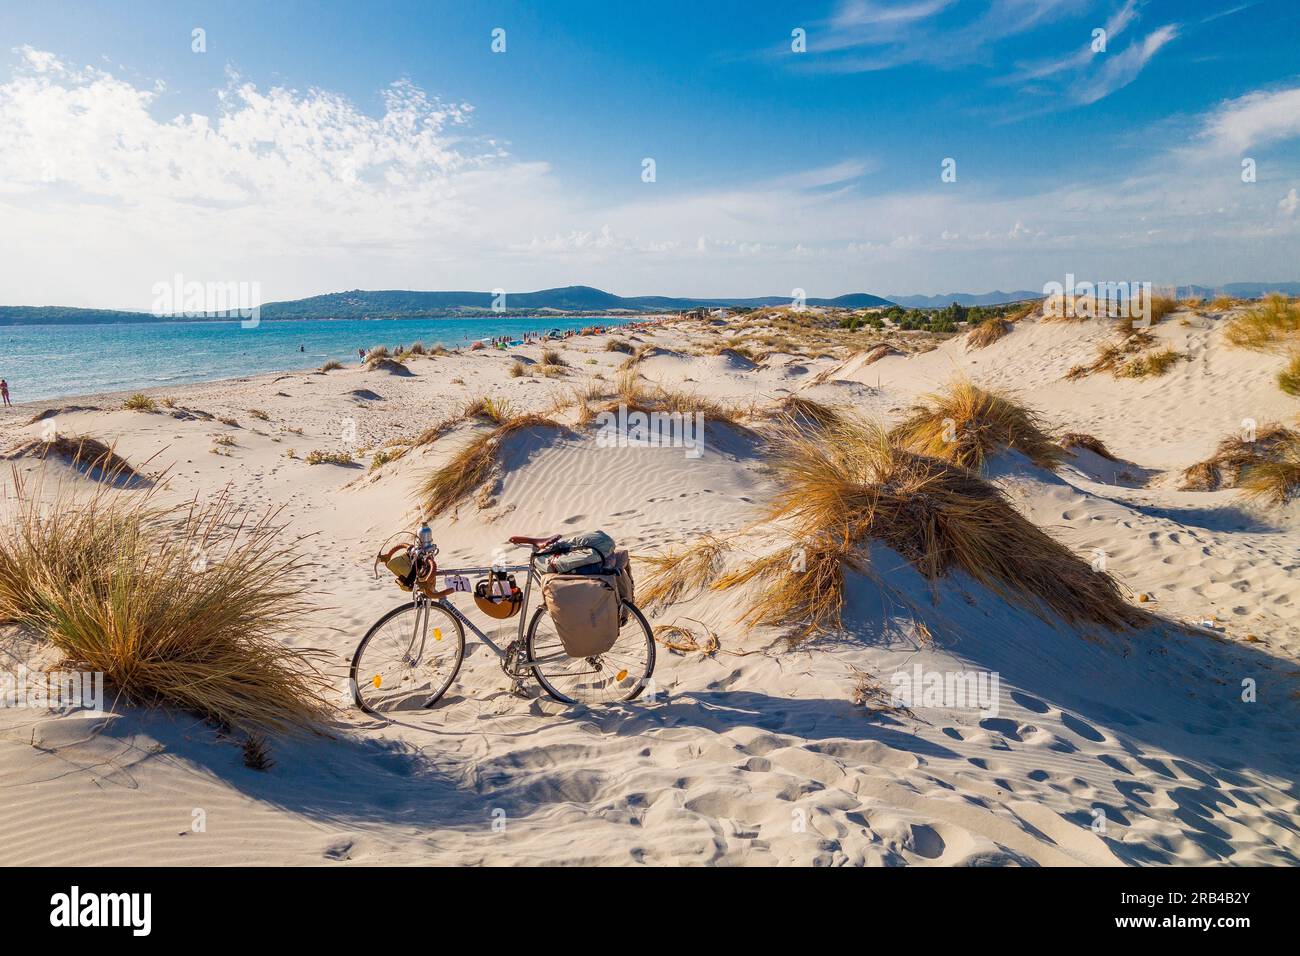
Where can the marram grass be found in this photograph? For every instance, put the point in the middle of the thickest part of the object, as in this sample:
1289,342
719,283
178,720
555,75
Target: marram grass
988,332
1289,378
679,571
184,607
1072,440
472,465
845,487
1237,454
967,425
1276,479
1268,325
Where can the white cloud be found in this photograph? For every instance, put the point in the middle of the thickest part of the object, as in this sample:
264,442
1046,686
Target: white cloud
1289,203
1257,119
264,154
39,60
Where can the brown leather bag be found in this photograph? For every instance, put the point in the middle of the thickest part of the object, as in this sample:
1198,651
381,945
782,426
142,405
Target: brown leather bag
585,609
398,560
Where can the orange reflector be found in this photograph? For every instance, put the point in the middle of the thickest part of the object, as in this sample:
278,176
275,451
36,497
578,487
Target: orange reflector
437,633
377,680
621,675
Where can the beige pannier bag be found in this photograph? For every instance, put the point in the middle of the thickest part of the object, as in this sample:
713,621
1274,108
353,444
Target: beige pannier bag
585,611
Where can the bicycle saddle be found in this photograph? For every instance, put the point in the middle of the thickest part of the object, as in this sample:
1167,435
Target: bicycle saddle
535,542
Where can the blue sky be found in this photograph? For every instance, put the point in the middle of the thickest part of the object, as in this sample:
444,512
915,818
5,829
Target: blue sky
319,146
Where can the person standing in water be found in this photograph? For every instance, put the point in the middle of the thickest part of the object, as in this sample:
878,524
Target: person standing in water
4,392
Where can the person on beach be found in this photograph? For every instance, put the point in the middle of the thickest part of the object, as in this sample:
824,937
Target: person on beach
4,392
361,354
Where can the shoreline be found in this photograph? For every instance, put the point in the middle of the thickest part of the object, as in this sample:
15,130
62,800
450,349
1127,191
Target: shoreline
112,399
140,353
217,320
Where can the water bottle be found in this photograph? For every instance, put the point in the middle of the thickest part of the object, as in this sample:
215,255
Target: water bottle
426,535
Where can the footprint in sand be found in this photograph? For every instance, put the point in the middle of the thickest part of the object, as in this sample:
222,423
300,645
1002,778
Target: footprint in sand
925,841
339,851
1086,731
1029,703
1002,725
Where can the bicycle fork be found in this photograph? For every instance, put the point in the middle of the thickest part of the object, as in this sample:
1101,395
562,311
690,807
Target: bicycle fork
413,657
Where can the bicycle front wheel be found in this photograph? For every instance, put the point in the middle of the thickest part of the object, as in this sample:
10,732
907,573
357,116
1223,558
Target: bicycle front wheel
621,673
408,659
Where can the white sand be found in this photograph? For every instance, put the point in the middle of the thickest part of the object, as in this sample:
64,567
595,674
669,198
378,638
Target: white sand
755,755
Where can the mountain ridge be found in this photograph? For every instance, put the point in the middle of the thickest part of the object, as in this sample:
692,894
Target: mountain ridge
1237,290
402,303
576,299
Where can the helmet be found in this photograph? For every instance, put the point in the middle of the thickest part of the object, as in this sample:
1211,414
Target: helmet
498,596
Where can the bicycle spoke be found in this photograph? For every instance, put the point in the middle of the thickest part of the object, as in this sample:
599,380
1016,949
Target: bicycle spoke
408,660
615,675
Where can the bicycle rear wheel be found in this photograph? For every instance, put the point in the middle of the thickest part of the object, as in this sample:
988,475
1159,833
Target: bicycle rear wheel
620,673
407,659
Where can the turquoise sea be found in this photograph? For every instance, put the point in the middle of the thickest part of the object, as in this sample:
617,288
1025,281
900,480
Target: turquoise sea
52,361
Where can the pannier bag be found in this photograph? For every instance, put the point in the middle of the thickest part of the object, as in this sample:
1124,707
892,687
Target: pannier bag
585,610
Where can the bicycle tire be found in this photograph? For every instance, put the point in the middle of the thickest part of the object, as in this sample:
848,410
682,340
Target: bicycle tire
635,689
419,701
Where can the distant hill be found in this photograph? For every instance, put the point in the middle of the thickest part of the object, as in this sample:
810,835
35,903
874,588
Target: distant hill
1238,290
963,298
574,299
359,304
59,315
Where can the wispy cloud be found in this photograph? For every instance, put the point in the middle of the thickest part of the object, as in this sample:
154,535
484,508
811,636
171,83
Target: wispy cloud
1118,70
868,35
833,175
1082,57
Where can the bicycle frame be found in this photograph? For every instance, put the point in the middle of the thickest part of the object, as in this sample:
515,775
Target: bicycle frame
466,622
515,668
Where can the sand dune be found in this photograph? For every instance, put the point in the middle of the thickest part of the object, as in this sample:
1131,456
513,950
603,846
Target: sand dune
1104,749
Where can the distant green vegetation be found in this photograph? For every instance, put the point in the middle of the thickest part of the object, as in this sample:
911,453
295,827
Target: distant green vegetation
59,315
928,320
945,320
